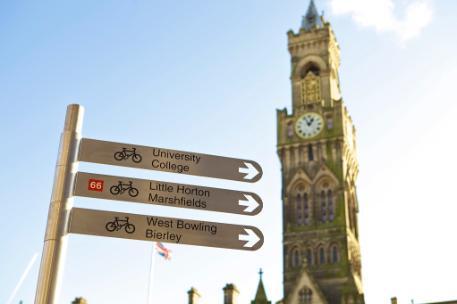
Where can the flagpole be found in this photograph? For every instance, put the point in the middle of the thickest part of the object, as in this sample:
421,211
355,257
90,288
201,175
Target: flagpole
151,274
21,280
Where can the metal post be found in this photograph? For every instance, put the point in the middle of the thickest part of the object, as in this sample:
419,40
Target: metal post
54,247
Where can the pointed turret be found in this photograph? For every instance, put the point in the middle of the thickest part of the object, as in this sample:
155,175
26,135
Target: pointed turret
261,295
312,19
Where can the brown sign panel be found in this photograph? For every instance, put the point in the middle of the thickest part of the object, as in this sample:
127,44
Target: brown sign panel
166,194
181,162
163,229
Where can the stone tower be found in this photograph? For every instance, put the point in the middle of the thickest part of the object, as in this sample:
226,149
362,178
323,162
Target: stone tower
317,150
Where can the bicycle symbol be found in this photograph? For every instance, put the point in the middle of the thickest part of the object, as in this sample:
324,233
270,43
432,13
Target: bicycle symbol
121,188
118,224
126,153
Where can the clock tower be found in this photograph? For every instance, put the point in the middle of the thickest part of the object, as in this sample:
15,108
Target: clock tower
317,150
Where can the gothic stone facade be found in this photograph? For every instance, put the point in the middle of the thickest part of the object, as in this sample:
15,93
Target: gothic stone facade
317,150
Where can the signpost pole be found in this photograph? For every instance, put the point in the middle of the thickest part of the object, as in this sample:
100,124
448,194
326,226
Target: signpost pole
61,202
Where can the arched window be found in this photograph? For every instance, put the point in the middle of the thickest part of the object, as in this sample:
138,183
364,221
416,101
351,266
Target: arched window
321,255
334,254
305,296
298,211
306,218
310,152
323,207
302,206
329,123
290,130
310,67
295,258
309,257
331,206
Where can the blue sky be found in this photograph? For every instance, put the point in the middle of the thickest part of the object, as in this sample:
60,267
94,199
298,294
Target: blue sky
207,76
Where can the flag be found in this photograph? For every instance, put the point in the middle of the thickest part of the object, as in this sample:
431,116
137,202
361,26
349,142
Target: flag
163,251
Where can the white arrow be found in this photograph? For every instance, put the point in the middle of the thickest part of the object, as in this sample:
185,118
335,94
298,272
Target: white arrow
250,237
250,203
249,170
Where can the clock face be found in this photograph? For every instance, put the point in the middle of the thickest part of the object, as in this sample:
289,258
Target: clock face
309,125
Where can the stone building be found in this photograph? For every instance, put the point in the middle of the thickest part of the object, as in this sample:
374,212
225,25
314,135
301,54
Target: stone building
317,149
231,294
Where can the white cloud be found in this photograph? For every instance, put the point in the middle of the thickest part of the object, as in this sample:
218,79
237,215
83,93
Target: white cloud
383,15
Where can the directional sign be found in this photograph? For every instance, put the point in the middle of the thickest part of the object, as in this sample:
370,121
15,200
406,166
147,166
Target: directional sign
127,155
166,194
163,229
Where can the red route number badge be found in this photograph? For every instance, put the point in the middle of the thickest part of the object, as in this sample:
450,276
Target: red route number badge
95,185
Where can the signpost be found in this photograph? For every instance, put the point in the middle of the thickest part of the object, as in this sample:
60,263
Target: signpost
128,155
164,229
63,219
52,259
166,194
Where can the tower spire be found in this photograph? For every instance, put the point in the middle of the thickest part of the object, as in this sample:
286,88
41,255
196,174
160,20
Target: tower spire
261,295
312,18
